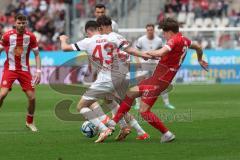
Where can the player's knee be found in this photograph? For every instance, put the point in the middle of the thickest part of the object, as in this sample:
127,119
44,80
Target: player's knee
133,92
80,105
143,110
3,96
31,97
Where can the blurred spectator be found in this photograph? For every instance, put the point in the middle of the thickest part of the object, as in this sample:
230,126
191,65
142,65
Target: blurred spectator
46,19
233,18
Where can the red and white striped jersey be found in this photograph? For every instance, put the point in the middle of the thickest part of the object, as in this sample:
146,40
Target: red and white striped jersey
17,48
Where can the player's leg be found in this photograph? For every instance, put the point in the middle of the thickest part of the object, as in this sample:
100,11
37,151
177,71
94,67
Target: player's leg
124,108
8,78
142,135
97,109
83,109
154,120
125,130
25,80
147,101
126,104
3,95
166,101
31,110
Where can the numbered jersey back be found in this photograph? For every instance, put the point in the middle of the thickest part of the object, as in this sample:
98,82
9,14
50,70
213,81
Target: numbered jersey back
102,49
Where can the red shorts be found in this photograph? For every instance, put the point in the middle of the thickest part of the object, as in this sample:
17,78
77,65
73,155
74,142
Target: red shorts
152,87
23,77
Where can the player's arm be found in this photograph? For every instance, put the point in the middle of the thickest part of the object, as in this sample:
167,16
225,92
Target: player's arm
65,46
136,52
37,76
1,46
158,53
1,49
199,52
139,47
34,48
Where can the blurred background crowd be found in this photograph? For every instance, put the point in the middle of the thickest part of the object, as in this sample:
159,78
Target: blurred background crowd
50,18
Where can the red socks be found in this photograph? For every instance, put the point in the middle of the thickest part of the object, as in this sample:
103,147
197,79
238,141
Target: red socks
153,120
124,108
29,119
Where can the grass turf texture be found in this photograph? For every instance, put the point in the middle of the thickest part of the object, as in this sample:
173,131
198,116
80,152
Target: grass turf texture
206,124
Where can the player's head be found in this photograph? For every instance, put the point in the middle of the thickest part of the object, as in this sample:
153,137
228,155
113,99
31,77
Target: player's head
91,28
105,24
170,27
20,23
150,30
100,10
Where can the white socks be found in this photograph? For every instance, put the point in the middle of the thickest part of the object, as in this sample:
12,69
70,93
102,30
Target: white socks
97,109
134,124
114,107
165,98
138,101
92,117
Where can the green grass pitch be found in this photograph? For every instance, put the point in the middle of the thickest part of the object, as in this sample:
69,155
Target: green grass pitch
206,123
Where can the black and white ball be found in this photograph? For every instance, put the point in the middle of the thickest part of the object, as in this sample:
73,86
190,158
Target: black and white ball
88,129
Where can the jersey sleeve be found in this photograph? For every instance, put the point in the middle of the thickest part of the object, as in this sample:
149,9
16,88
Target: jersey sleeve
1,45
120,41
189,42
80,45
3,41
170,44
139,44
33,42
114,26
160,43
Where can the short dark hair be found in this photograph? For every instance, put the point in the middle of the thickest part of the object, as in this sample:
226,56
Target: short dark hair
100,6
91,25
20,17
150,25
104,21
169,24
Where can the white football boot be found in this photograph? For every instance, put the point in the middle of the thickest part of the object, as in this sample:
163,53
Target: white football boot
32,127
167,137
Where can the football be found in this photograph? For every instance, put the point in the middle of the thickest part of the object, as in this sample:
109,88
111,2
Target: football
88,129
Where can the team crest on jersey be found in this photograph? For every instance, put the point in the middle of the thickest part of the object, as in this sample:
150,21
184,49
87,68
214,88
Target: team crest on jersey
26,41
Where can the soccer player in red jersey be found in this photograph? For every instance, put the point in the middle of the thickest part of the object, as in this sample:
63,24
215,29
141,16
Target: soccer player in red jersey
17,44
172,56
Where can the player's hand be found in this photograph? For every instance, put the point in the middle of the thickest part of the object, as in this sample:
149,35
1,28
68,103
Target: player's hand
203,64
37,78
63,38
146,56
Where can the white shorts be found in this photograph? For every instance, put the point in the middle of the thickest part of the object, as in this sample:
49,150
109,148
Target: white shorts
107,86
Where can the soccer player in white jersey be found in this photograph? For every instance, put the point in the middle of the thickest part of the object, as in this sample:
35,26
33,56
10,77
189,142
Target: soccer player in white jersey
148,42
100,10
101,49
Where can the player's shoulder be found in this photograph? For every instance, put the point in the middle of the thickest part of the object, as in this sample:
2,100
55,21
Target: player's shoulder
157,38
114,35
9,32
114,22
29,33
87,40
142,38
